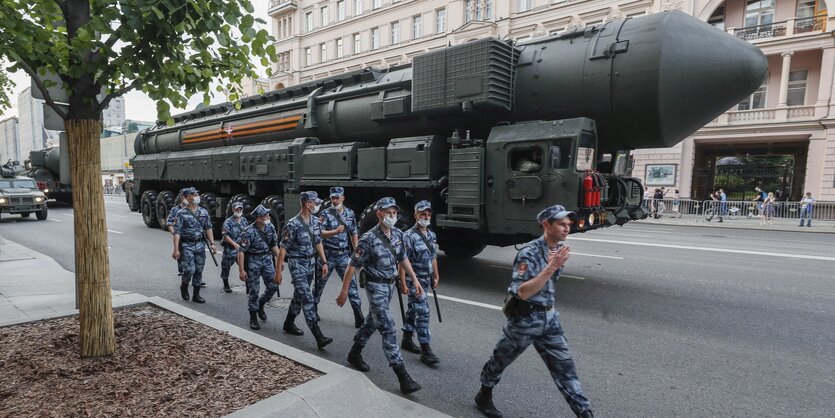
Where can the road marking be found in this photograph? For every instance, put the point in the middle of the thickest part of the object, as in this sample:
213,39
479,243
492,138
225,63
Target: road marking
622,234
55,220
717,250
67,214
115,232
596,255
468,302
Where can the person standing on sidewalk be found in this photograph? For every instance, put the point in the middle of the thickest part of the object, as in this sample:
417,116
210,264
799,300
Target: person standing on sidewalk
232,228
378,253
676,204
301,243
257,245
420,244
532,319
768,209
190,225
806,204
339,237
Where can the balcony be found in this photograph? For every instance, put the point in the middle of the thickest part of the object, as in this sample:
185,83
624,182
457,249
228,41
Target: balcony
280,6
769,115
784,28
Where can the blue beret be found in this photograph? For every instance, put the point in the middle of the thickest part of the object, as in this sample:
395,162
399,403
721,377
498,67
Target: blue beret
308,196
552,213
237,205
423,205
386,202
259,211
188,191
337,191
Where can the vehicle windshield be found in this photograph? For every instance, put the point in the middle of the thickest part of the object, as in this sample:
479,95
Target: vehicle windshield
5,184
24,184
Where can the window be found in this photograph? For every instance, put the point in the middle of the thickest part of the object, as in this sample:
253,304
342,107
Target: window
717,19
755,100
559,155
585,152
759,12
338,48
375,4
526,160
805,8
357,46
478,10
417,24
395,32
323,15
323,53
375,38
797,88
440,21
340,10
524,5
308,56
357,7
308,21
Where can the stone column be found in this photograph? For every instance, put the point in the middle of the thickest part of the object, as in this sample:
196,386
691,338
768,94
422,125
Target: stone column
825,106
784,79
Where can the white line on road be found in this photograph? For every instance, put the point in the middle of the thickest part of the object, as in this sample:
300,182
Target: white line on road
67,214
469,302
597,255
620,234
115,232
717,250
55,220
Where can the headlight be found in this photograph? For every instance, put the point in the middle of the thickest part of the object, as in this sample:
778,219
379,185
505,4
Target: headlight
46,190
591,219
39,199
2,200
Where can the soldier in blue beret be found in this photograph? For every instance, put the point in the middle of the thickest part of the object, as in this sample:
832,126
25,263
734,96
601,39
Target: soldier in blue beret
421,248
301,244
378,253
340,236
189,226
532,319
256,245
232,229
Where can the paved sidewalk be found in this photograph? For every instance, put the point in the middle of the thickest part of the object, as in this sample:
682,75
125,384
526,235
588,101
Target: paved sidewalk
34,287
779,224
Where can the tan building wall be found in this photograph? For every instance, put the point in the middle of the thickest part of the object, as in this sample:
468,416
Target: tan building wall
790,44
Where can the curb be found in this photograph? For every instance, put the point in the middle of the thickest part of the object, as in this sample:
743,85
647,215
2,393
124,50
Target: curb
779,228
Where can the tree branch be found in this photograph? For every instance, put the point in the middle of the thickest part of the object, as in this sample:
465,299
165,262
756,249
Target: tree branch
117,93
32,73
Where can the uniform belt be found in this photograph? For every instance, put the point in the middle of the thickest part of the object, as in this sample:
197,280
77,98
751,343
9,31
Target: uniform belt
258,253
526,307
372,279
337,252
191,240
300,257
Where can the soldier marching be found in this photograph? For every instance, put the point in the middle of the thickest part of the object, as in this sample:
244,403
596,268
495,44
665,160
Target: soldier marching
190,224
231,232
256,245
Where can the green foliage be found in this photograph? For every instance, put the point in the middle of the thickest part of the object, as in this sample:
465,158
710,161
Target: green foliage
169,49
6,85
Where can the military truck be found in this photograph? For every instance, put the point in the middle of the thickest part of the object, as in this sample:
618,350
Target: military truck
490,131
20,195
45,166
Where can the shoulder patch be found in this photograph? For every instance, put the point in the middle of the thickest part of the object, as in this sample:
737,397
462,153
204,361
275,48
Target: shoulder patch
523,267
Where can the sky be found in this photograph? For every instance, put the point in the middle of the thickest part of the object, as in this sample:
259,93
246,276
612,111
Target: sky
138,106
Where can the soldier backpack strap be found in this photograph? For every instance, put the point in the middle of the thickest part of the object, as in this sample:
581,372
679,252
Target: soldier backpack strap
342,222
425,241
270,243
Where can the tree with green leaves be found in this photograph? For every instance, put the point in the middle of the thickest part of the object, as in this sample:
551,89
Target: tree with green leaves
100,50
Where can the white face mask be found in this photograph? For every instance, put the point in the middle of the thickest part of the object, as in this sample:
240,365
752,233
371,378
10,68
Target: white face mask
338,207
267,221
424,222
316,208
196,200
238,214
389,221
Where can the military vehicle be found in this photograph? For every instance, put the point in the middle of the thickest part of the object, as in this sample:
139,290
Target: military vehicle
490,131
44,166
19,194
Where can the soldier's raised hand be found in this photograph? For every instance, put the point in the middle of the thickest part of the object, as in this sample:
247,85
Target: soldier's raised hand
557,259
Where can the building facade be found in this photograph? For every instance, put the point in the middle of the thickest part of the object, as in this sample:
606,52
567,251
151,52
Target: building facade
782,138
114,114
9,141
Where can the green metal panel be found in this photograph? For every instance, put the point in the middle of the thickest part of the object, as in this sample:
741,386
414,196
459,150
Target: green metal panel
331,161
371,163
265,161
421,157
225,163
466,176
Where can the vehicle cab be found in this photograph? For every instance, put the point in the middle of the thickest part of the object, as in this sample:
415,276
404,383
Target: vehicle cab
20,195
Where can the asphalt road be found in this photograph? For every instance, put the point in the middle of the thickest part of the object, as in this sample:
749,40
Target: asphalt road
663,320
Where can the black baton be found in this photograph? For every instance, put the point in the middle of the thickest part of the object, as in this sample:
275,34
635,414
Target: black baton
400,299
209,247
435,296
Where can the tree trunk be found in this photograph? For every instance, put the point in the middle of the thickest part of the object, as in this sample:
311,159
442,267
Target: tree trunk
92,269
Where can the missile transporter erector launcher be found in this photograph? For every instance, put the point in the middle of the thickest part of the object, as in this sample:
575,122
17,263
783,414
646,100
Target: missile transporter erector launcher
490,132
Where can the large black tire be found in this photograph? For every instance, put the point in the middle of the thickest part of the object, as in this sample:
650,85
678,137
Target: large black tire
165,202
41,214
461,250
149,209
130,197
25,214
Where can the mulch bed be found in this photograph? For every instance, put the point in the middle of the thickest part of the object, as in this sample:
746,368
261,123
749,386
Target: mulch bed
165,365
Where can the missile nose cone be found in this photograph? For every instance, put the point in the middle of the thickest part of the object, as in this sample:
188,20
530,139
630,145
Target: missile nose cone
701,72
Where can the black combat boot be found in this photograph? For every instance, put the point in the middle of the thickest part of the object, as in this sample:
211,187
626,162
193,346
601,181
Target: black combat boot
184,291
359,319
484,402
253,320
196,297
427,356
407,385
290,326
226,288
261,314
355,358
585,414
407,343
321,340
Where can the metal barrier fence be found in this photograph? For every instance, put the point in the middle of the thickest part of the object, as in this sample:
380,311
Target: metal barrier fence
733,209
